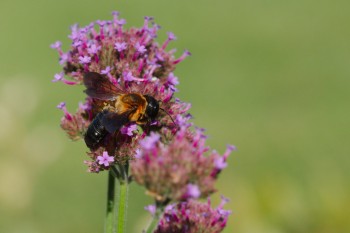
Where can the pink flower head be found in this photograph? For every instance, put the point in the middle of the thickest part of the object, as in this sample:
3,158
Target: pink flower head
105,159
193,217
184,169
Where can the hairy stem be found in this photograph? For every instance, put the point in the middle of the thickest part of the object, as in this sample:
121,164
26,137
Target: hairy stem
109,224
122,198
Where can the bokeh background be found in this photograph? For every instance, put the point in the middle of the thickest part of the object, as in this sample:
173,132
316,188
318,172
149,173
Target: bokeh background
271,77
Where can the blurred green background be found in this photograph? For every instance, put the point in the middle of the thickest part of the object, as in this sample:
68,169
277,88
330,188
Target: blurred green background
271,77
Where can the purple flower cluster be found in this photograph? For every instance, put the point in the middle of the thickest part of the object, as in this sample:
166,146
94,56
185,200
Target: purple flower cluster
193,217
134,62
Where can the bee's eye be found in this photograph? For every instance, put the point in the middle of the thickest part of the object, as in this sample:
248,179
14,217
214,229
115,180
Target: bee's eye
152,107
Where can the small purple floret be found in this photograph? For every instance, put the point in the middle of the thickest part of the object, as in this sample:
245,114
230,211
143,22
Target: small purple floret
140,48
128,130
149,142
220,163
121,22
120,46
193,190
93,49
56,45
61,105
58,77
84,59
105,159
172,79
106,71
171,36
151,208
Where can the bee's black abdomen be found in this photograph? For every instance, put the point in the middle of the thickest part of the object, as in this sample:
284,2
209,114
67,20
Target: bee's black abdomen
96,132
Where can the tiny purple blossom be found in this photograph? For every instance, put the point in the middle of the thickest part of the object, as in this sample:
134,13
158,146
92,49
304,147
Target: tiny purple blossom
121,22
75,32
147,20
105,159
128,130
93,49
120,46
128,77
84,59
224,213
169,207
56,45
106,70
58,77
220,163
149,142
64,58
151,208
172,79
115,13
140,48
101,23
171,36
138,154
77,43
61,105
185,54
193,191
84,106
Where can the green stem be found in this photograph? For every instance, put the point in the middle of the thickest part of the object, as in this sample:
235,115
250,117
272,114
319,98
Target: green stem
109,224
153,224
123,198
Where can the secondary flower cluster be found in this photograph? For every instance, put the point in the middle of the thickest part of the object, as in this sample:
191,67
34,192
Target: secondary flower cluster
193,217
180,169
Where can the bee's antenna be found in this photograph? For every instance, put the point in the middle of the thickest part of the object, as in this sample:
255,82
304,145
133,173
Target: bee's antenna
169,116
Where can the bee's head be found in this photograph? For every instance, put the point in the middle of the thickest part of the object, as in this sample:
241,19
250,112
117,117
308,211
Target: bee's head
152,107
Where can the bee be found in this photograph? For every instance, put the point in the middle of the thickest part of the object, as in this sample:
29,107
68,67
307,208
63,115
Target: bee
120,110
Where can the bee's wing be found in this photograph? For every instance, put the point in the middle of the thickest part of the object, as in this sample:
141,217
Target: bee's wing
99,87
113,121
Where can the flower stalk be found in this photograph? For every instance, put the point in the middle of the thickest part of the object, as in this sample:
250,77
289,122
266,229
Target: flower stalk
109,224
122,198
